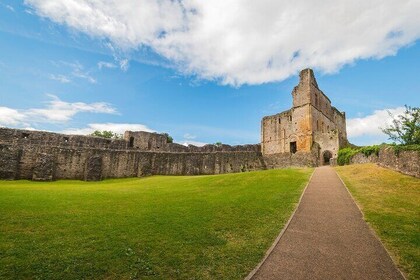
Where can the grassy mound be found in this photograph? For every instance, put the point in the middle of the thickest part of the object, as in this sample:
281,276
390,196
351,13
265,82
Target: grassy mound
162,227
391,204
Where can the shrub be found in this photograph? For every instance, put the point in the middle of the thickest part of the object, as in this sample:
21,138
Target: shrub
345,154
398,148
107,134
169,138
369,150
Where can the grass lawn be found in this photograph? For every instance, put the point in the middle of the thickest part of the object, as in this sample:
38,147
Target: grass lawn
161,227
391,204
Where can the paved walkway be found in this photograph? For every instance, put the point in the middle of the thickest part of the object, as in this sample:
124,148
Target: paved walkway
328,238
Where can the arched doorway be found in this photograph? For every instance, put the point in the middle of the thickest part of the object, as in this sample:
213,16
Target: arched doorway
326,156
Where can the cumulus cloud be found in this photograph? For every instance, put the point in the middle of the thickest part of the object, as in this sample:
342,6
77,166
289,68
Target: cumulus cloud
55,111
9,116
119,128
371,125
252,42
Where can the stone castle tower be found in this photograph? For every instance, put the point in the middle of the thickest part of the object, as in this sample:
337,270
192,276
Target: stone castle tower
312,125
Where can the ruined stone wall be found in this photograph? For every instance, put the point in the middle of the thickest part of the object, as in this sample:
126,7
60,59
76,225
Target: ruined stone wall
95,164
146,141
284,160
42,138
277,128
325,132
407,162
26,155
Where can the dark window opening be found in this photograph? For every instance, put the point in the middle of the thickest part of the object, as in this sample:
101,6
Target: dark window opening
293,147
25,135
131,144
66,139
279,120
290,118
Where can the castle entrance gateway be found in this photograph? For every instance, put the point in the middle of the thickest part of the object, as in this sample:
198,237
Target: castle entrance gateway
326,156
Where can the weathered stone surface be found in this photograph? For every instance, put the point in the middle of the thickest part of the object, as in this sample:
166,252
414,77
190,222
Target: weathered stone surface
93,169
44,169
406,162
311,121
9,162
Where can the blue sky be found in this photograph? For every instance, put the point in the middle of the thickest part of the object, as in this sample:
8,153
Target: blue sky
61,72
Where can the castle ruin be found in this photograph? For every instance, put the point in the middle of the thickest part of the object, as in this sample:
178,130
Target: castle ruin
309,134
312,125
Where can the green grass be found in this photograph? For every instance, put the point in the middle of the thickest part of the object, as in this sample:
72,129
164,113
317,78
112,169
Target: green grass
390,202
161,227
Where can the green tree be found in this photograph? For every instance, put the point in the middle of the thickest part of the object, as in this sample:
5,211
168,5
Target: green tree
218,144
405,128
106,134
169,138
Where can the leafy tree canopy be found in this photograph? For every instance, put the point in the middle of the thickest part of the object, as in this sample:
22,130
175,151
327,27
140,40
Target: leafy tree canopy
405,128
106,134
169,138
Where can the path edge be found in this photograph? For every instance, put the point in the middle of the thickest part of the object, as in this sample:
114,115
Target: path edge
369,225
276,241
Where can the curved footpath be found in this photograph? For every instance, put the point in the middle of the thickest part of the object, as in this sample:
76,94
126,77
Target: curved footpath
327,238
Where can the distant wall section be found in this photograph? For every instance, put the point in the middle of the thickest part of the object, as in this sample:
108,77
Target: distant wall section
46,156
406,162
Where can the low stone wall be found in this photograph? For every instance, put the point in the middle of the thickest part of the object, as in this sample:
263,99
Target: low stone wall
283,160
50,163
407,162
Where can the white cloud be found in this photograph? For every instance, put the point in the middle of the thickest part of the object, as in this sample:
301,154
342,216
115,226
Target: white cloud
61,78
114,127
105,64
55,111
248,41
189,136
10,8
371,125
77,70
124,64
195,143
9,116
83,75
61,111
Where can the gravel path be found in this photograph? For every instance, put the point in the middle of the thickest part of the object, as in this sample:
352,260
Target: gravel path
328,239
